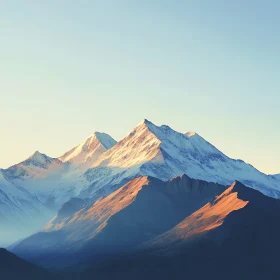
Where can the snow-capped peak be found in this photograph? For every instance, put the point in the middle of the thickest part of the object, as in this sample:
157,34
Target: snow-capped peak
139,146
39,157
143,125
90,149
38,165
146,122
162,152
146,143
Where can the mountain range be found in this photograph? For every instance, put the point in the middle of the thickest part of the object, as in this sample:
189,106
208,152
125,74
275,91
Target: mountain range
32,192
151,228
158,204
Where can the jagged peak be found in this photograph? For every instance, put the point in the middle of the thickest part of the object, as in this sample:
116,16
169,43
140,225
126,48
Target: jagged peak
144,127
38,159
165,131
146,124
145,143
81,152
141,145
103,138
160,132
38,156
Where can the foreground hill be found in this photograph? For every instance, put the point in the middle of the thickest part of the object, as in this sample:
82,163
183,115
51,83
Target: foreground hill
14,268
140,210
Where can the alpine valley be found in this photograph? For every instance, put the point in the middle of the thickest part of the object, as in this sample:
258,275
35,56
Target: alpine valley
160,202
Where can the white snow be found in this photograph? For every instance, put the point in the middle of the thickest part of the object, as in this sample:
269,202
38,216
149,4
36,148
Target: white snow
38,157
140,146
165,153
90,149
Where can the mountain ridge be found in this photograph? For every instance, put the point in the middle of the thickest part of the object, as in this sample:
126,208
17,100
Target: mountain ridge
164,153
97,170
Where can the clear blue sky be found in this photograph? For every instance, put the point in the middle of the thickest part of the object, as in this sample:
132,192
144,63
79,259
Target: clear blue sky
68,68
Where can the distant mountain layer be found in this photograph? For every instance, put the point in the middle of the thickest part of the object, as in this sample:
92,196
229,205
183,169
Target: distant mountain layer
39,186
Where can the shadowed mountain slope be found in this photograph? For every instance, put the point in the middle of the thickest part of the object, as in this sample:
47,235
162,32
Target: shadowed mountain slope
160,230
235,236
207,218
140,210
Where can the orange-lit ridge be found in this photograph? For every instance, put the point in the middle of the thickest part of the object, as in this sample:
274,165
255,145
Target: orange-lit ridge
104,208
209,217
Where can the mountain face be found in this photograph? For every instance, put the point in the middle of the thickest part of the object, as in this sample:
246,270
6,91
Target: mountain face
36,166
99,166
161,152
26,200
140,210
38,175
21,213
207,218
235,236
88,151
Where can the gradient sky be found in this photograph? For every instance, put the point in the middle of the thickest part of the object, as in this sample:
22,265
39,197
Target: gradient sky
68,68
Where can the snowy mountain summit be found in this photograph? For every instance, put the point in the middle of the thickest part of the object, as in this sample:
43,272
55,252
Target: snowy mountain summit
161,152
90,149
39,159
37,165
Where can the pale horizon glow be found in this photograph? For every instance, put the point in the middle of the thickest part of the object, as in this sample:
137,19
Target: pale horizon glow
70,68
